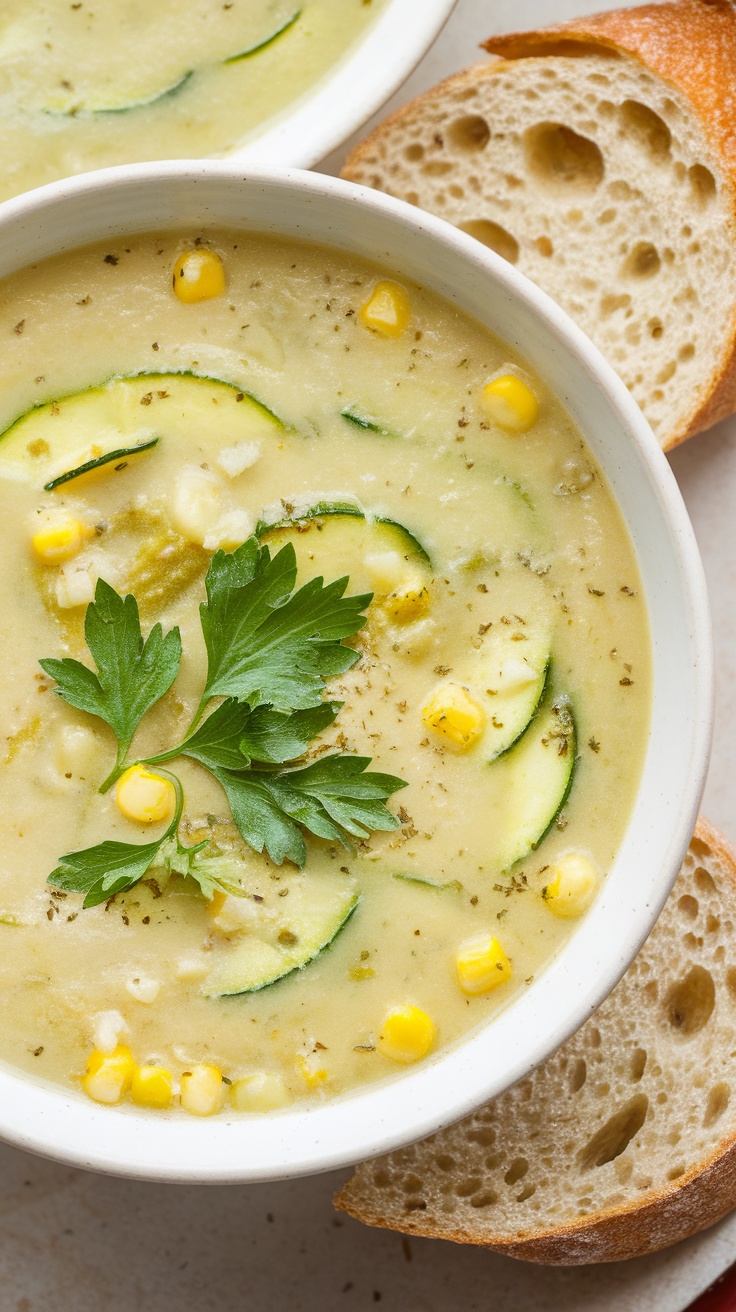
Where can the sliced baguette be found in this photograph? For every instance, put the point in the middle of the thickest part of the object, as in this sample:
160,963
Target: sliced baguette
599,156
621,1143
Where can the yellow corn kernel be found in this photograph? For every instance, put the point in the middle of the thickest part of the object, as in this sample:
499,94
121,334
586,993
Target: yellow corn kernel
144,796
152,1087
109,1077
196,503
481,964
387,309
510,403
454,716
407,1034
216,903
386,570
202,1090
259,1093
571,885
61,540
310,1070
408,603
198,276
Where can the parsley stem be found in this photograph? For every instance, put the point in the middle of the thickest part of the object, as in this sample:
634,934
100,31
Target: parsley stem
206,697
179,792
121,765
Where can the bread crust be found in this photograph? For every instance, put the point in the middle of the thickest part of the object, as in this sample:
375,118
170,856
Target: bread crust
691,44
699,1198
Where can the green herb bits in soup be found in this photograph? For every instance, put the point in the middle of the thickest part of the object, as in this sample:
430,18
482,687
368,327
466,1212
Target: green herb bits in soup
325,673
86,85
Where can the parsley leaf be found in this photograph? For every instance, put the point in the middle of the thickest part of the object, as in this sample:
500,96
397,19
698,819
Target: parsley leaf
233,735
269,651
132,674
265,645
260,819
336,798
273,737
102,871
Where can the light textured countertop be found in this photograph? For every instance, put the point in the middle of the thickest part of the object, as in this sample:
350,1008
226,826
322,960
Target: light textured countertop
73,1242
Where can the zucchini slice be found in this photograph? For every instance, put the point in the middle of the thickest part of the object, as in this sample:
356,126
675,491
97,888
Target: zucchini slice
336,538
290,932
265,42
508,680
63,108
51,440
512,685
366,422
121,454
425,882
131,98
539,773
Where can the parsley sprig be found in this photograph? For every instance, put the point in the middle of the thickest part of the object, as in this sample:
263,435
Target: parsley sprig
132,675
270,650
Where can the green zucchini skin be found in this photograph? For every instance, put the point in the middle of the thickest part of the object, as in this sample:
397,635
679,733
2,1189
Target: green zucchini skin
353,416
146,374
453,884
86,468
336,510
547,789
267,41
213,990
166,93
174,88
59,439
542,690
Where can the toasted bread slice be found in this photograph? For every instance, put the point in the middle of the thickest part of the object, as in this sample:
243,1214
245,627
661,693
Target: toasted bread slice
599,157
621,1143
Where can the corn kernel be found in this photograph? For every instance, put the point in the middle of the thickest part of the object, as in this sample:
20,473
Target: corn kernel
234,460
481,964
144,988
191,968
387,309
109,1077
230,531
75,586
198,276
572,884
510,403
407,1034
260,1093
202,1090
76,750
60,540
408,603
108,1027
144,796
386,570
310,1069
454,716
152,1086
233,915
196,504
216,903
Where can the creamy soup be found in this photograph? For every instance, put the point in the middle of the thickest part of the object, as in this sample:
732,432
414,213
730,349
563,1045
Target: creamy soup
86,85
298,840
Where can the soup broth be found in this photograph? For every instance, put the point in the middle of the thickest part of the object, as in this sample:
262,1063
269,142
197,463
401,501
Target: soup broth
313,405
84,86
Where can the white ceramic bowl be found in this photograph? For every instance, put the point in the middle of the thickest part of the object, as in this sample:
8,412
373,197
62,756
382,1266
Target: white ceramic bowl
353,90
310,207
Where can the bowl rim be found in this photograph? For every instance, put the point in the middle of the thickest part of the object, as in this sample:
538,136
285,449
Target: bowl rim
351,91
50,1120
